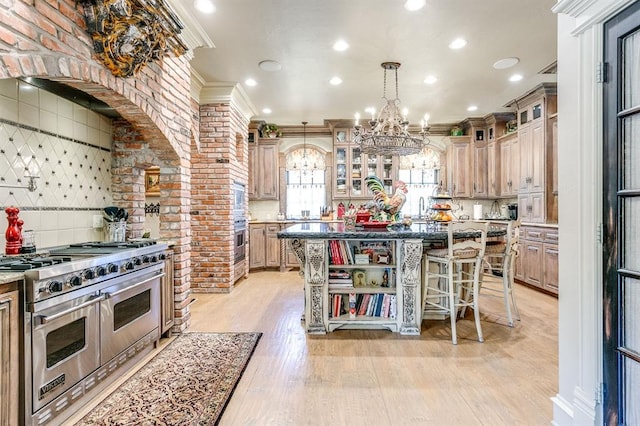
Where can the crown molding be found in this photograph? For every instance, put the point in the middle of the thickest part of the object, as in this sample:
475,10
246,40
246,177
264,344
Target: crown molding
193,34
227,92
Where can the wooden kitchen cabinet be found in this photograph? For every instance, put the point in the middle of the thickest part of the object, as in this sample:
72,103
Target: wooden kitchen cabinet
536,154
459,159
264,245
531,207
167,309
537,263
257,245
9,354
480,186
263,169
509,149
272,249
493,169
351,167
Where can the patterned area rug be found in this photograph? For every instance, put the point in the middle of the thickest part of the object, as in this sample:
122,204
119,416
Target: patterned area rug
188,383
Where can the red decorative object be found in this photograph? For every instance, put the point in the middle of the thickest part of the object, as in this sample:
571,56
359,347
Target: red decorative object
375,225
340,210
13,234
362,216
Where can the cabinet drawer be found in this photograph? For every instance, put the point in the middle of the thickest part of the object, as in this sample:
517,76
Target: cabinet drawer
273,228
551,236
534,234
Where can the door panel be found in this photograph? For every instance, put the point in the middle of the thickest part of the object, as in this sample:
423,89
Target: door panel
621,203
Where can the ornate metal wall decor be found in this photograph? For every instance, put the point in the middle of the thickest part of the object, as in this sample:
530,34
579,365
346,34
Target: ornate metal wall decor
128,34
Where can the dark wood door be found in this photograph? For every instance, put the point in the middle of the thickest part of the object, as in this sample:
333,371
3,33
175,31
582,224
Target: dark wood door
621,242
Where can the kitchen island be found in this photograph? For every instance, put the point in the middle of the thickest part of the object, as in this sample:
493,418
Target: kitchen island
364,278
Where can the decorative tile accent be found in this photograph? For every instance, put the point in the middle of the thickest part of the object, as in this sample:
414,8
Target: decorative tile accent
73,173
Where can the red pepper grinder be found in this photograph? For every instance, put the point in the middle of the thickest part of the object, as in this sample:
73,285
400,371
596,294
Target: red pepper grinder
13,235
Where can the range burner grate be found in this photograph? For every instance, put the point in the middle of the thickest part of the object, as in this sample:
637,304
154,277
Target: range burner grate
101,244
26,263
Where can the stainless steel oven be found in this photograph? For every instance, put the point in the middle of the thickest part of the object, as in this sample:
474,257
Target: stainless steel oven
89,310
240,239
64,346
129,311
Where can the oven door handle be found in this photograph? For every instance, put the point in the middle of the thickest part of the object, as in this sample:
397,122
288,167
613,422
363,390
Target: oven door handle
108,295
44,319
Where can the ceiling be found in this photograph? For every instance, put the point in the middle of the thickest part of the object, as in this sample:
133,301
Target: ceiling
299,34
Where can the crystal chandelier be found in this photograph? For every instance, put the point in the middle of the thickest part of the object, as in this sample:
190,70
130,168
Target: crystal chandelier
389,134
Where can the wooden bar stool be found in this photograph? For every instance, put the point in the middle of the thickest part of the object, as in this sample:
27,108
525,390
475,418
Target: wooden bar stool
456,283
500,257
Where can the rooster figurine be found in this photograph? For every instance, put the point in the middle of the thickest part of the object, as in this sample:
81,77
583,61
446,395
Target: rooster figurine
382,202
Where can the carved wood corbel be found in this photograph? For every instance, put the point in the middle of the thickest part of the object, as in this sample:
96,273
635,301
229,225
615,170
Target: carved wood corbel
128,34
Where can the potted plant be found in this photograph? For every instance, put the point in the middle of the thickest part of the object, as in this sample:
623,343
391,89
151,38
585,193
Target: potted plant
270,130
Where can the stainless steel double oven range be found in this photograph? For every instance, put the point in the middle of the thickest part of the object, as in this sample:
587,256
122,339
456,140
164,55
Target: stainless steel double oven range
90,308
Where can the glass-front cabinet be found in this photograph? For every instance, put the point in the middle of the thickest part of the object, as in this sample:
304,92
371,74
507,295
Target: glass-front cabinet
352,167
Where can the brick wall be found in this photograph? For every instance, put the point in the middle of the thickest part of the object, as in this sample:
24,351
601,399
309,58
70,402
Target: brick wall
220,161
47,39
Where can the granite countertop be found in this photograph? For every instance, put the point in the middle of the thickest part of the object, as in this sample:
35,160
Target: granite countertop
425,232
285,221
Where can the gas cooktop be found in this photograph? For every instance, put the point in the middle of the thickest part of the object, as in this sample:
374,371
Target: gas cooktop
25,263
126,244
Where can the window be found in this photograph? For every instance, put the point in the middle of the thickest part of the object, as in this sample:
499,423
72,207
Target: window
306,188
421,174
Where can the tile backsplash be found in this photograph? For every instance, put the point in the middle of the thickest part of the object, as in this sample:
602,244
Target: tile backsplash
68,148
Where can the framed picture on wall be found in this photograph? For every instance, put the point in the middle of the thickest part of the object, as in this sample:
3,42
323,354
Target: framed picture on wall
152,182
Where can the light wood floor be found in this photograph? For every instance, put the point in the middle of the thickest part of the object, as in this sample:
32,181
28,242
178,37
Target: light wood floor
360,377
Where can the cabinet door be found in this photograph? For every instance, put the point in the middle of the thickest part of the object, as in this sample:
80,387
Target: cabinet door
480,175
272,246
537,157
257,238
252,189
341,160
506,165
460,164
532,263
9,361
268,171
551,268
524,140
493,170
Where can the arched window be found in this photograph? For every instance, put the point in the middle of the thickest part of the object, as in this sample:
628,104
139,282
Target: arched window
421,173
306,188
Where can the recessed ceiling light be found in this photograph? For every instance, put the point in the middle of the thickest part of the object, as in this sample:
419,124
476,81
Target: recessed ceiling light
204,6
340,46
414,5
266,110
335,81
458,43
515,77
472,108
505,63
250,82
430,79
270,65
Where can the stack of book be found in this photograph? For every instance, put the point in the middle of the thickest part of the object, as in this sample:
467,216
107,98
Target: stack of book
340,278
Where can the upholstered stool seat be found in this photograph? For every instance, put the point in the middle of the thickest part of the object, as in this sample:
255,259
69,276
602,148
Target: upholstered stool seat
461,254
494,247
